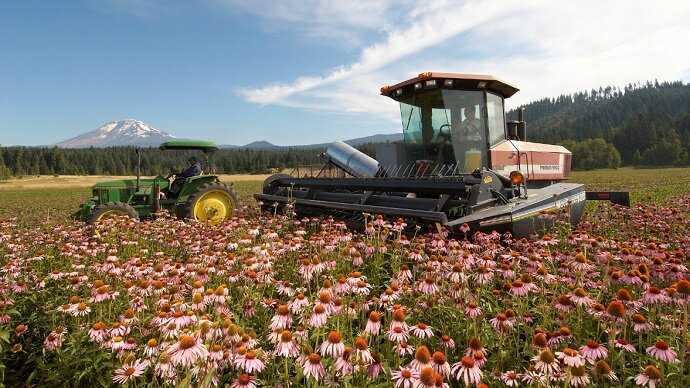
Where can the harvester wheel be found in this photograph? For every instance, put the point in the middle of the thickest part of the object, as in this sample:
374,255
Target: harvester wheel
111,209
270,188
212,203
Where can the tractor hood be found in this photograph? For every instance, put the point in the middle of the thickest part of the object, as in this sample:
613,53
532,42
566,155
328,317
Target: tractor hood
125,183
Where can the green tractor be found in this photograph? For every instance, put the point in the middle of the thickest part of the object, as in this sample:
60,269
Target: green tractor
202,197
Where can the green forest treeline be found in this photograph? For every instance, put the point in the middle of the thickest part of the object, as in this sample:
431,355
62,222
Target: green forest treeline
641,124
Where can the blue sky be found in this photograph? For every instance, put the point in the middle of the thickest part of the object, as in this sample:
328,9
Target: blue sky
297,72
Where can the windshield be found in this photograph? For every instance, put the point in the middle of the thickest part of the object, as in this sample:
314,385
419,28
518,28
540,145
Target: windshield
446,128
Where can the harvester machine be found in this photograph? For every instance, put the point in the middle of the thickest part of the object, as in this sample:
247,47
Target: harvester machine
459,163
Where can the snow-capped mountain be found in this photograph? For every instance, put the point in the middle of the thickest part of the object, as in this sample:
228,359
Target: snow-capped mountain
128,132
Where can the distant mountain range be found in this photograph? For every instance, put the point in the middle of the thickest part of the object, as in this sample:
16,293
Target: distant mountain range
132,132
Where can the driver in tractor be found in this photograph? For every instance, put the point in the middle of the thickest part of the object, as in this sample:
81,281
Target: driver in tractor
194,169
466,138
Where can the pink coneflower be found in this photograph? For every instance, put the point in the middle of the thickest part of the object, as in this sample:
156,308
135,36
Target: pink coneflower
625,345
343,366
244,381
501,322
373,326
662,351
440,364
484,275
422,358
472,310
151,348
404,275
580,297
282,319
570,357
250,363
578,376
54,339
654,295
602,369
313,367
510,378
447,342
332,346
640,324
198,302
98,332
545,362
518,288
402,348
466,371
298,303
564,304
593,351
650,377
129,372
362,353
428,286
475,346
186,351
397,334
405,377
286,347
319,316
399,319
422,331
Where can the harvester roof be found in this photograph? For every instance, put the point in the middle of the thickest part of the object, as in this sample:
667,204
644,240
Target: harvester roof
189,144
449,81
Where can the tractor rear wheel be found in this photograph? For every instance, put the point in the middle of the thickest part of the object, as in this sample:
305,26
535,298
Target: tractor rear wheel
212,203
111,209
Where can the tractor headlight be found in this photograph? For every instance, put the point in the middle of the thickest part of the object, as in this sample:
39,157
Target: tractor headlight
516,178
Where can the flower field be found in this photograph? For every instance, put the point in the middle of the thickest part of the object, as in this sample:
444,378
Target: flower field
282,301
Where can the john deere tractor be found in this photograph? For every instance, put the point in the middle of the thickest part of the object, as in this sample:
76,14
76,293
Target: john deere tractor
202,197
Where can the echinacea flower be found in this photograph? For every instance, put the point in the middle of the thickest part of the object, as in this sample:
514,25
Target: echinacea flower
186,351
602,369
313,367
578,376
546,363
244,381
661,351
361,352
650,377
440,364
373,326
129,372
332,346
466,371
570,357
593,351
286,347
405,377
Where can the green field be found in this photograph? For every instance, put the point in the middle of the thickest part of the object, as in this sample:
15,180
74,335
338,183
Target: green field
49,205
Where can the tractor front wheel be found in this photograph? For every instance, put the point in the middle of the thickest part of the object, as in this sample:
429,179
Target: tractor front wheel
212,203
110,210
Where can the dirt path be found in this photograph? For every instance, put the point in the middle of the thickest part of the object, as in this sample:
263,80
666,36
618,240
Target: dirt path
65,181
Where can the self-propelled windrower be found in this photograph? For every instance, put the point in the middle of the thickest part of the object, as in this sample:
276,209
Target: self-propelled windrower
459,163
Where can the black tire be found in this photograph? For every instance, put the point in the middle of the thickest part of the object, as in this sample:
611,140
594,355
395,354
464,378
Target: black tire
187,209
112,207
270,188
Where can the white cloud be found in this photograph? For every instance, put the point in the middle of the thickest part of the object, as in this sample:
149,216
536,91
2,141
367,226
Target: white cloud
546,48
338,21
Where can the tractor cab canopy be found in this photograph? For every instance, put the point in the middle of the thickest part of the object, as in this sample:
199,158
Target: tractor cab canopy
451,119
187,144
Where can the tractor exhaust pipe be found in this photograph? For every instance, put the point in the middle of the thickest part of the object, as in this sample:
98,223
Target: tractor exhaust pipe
351,160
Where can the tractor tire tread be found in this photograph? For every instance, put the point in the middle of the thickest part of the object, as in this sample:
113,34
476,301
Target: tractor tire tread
121,206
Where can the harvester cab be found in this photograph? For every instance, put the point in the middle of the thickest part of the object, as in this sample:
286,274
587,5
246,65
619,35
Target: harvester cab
459,163
200,195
